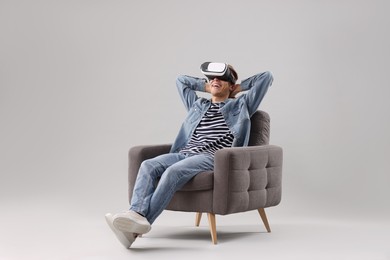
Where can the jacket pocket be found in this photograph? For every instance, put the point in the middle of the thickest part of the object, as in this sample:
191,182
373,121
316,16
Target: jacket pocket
194,114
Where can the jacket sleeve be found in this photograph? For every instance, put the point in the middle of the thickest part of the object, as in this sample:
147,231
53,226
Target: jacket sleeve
187,87
256,87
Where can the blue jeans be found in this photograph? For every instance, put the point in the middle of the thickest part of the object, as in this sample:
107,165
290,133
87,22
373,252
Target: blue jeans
171,171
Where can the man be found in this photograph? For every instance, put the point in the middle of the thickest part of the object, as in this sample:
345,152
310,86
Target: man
211,124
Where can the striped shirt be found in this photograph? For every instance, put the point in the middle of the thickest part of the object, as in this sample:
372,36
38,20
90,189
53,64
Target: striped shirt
211,134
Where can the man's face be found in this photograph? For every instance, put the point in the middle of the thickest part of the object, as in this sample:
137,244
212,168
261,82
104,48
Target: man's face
220,88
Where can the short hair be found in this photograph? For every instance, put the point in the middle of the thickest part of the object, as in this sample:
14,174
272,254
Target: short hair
234,73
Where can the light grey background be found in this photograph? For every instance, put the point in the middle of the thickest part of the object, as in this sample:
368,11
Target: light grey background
83,81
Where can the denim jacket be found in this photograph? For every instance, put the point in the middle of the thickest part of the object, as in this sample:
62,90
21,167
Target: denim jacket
236,111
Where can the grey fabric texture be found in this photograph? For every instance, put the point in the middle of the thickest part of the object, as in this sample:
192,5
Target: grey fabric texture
244,178
247,178
260,128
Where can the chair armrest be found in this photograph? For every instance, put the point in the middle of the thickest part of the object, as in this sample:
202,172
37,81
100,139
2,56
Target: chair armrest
247,178
137,155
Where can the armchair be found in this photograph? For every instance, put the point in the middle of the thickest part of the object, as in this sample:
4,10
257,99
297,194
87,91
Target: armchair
244,178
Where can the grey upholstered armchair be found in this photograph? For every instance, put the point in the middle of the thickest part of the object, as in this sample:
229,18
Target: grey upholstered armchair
244,178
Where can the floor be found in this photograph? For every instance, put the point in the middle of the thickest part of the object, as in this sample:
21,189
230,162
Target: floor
42,231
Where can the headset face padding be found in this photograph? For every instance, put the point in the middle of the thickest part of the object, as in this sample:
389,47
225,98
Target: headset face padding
217,70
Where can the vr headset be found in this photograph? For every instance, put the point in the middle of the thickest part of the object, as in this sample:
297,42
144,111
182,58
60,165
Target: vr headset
217,70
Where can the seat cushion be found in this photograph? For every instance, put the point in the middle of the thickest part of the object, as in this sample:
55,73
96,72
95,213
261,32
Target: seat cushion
201,181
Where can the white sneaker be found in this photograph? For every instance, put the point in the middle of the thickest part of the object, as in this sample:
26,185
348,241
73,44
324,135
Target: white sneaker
126,238
131,221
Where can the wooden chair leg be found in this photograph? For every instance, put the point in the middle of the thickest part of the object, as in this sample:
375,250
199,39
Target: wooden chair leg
197,218
264,218
213,227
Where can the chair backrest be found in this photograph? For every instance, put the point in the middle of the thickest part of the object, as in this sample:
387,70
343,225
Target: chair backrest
260,128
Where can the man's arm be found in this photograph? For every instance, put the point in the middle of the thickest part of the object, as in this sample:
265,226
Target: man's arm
187,87
256,87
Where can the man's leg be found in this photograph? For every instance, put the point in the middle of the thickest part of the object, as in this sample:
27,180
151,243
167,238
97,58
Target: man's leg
134,220
149,173
173,179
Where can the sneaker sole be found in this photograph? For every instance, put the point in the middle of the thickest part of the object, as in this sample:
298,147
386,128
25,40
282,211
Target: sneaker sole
128,225
121,237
